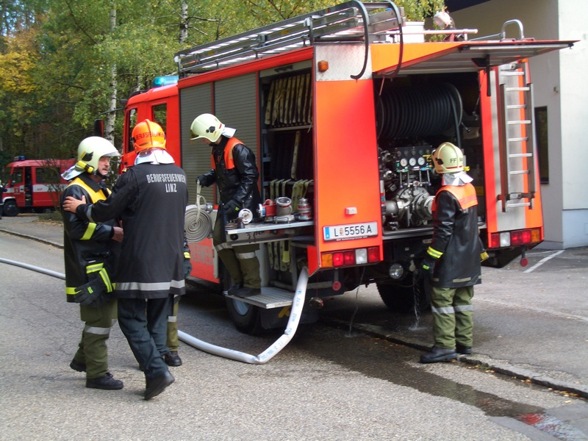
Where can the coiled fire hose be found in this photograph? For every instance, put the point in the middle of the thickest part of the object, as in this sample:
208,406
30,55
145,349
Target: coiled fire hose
198,223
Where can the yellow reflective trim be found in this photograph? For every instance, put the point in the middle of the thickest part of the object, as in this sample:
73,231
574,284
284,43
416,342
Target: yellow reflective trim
89,231
71,291
434,253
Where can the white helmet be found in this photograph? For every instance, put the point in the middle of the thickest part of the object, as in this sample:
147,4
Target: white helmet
90,151
448,158
206,126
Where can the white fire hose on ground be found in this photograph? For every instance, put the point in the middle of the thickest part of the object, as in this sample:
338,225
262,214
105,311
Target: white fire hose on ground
276,347
264,357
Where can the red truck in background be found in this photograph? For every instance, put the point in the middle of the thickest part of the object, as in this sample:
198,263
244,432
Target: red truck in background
33,185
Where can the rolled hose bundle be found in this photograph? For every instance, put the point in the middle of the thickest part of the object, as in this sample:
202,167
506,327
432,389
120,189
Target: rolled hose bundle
198,223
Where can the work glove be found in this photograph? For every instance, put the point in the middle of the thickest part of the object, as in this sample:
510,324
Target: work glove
92,293
231,209
187,264
484,256
428,266
205,180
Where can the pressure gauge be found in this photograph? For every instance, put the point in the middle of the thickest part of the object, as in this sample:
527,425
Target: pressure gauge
421,161
412,161
403,162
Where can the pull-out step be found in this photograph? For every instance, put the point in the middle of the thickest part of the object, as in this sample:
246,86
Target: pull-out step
269,298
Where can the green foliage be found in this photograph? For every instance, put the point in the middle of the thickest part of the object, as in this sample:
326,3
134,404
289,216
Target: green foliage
57,57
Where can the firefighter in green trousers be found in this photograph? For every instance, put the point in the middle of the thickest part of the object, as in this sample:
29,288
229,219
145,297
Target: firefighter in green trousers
90,252
171,357
452,261
235,173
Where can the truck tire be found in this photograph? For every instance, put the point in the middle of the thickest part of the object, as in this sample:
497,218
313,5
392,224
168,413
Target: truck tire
246,317
10,208
404,299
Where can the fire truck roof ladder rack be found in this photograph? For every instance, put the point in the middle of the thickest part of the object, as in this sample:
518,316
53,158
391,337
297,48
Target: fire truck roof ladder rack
517,159
349,21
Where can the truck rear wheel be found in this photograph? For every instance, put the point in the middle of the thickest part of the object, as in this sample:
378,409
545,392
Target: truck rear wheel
246,317
401,298
10,208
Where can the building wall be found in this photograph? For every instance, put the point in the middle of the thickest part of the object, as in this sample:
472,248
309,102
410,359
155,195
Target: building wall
560,84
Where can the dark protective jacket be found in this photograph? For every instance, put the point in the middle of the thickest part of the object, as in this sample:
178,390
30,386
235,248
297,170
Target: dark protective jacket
455,237
85,242
235,172
150,200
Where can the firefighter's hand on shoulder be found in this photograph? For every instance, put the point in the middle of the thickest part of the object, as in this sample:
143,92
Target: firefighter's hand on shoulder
117,234
428,267
232,209
71,204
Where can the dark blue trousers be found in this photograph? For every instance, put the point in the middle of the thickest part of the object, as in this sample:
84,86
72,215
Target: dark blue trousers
143,322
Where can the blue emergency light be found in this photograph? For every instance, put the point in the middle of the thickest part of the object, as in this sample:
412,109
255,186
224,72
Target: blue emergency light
165,80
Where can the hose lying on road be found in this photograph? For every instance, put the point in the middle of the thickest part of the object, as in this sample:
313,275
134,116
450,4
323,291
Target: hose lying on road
277,346
34,268
264,357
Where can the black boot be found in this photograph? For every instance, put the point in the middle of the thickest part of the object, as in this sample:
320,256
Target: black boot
461,349
172,359
77,365
437,354
157,385
106,382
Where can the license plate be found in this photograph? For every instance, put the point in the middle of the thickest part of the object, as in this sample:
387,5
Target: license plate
350,231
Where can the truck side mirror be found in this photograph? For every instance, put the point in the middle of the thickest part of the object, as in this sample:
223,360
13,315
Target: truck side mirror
99,127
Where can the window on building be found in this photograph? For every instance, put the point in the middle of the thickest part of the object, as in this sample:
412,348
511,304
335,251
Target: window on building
541,140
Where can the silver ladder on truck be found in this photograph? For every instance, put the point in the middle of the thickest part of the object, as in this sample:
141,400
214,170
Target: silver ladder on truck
350,21
517,176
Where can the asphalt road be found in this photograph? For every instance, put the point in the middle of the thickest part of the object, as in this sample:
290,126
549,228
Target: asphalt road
329,383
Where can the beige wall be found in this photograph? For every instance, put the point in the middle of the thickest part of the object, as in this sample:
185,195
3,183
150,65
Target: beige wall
560,83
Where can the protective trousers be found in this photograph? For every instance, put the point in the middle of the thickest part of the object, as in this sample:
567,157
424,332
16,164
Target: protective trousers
452,316
173,342
142,321
241,262
92,351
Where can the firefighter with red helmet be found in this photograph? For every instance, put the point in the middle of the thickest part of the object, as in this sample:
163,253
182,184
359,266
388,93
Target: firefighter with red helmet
235,173
151,199
90,251
452,261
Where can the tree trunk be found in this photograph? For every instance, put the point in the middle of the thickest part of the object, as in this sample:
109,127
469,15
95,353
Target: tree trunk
111,116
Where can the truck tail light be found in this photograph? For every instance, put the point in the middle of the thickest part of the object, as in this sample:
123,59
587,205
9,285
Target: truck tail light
358,256
515,238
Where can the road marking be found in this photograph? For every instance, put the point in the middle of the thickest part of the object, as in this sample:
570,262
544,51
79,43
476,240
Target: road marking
542,261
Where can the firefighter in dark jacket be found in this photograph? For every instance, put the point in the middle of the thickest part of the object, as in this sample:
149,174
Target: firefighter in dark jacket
150,198
235,173
452,261
90,251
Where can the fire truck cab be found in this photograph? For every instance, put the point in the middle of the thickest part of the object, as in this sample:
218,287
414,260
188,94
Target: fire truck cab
33,184
343,108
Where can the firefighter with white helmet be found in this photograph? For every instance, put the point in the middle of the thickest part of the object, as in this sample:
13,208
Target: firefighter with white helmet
150,198
235,173
452,261
90,252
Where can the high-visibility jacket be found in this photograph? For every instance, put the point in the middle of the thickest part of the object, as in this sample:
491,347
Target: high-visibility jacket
84,242
236,174
456,244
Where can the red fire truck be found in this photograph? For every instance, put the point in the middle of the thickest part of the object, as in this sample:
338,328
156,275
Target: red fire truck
344,107
34,184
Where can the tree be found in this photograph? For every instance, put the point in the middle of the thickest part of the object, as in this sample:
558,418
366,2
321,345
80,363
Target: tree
64,63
